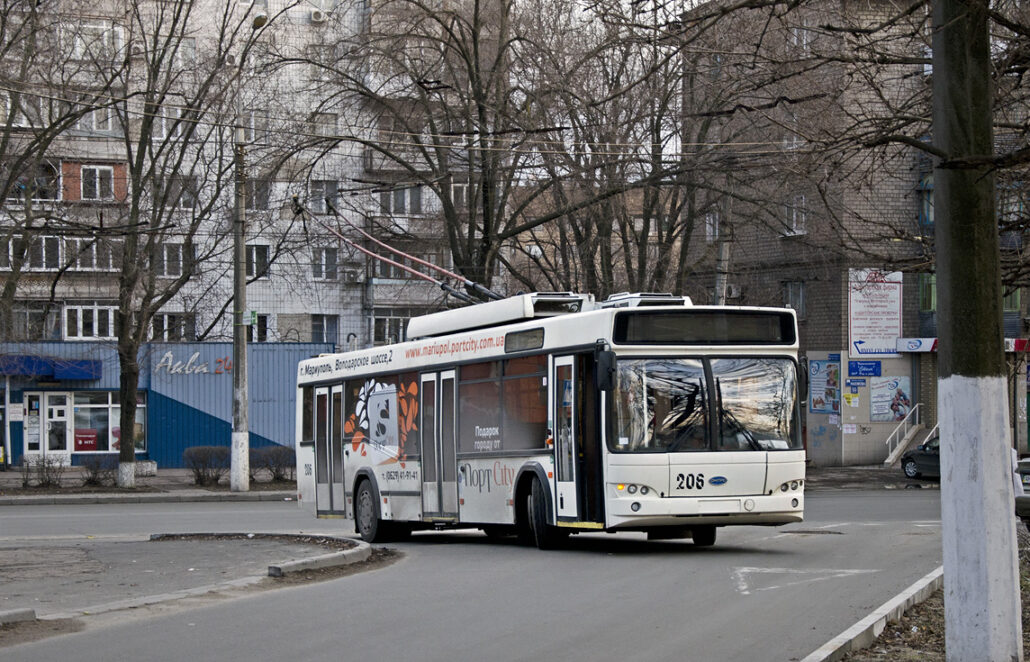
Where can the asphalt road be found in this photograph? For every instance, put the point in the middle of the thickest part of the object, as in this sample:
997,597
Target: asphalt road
760,594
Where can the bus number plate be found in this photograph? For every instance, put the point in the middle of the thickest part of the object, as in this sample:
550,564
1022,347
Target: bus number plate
690,481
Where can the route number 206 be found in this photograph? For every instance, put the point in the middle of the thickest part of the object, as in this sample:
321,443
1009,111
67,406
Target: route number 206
690,481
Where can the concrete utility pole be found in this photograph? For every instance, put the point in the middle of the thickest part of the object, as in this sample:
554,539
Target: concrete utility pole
981,569
239,461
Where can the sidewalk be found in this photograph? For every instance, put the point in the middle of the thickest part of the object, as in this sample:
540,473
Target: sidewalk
168,485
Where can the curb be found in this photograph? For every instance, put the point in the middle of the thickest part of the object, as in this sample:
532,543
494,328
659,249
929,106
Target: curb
150,497
865,632
360,553
17,616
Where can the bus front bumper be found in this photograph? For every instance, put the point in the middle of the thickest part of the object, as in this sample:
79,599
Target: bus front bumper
651,511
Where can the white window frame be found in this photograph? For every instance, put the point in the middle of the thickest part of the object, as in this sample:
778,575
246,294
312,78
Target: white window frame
183,325
255,126
97,120
254,252
322,322
712,228
94,314
258,331
97,182
794,296
254,201
169,260
797,216
325,263
112,38
406,201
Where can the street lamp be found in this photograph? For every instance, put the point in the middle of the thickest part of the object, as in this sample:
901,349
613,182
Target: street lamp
239,459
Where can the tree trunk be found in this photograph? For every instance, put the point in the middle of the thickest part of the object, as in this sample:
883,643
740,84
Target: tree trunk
981,569
128,352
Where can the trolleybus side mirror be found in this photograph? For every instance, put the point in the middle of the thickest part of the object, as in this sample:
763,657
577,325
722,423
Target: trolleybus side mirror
604,373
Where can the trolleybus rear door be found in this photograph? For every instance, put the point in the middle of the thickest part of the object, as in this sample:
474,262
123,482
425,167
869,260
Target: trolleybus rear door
563,388
329,450
322,498
439,486
336,475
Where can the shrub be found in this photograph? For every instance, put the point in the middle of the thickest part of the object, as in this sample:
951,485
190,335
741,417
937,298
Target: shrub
47,470
279,462
100,470
208,463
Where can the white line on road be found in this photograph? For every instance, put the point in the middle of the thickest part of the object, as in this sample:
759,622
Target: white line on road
742,576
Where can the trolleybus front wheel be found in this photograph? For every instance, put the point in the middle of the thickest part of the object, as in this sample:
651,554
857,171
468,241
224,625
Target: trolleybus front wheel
545,536
703,536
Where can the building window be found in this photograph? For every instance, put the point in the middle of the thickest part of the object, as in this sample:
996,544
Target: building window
799,34
97,182
258,194
257,260
401,201
177,192
89,321
255,126
927,293
318,191
391,324
98,119
169,123
459,195
797,216
170,260
381,269
257,330
323,266
24,110
96,42
325,328
39,183
1010,302
36,321
794,297
175,327
85,254
97,421
925,192
711,226
44,254
323,124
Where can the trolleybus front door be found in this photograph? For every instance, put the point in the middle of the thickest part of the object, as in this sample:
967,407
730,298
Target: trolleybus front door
329,450
439,466
563,403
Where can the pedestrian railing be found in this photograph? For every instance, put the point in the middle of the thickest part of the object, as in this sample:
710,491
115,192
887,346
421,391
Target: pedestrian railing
901,432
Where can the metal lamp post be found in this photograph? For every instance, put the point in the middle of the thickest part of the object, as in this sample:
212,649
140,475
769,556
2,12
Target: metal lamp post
239,467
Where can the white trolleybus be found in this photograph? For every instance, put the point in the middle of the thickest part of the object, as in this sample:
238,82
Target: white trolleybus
547,414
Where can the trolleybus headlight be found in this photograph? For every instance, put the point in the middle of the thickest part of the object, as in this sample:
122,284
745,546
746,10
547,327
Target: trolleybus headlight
793,503
784,487
643,489
632,489
793,484
635,506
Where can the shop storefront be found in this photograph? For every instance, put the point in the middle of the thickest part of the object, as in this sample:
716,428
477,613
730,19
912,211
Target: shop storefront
62,399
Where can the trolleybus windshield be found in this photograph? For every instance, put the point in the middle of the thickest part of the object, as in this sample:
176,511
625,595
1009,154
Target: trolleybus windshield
666,405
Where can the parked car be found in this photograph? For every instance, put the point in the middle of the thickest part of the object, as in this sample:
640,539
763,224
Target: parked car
923,461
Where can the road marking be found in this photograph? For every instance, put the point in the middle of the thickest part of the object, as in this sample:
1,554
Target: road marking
742,576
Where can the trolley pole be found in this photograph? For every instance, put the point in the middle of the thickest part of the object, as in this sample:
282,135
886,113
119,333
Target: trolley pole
239,468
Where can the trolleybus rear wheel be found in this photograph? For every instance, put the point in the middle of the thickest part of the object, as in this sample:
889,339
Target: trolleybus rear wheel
366,514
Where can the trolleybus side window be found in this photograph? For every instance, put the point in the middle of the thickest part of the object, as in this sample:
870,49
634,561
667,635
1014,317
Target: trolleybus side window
307,416
503,413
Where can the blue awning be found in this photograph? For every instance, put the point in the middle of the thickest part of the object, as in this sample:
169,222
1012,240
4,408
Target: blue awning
28,365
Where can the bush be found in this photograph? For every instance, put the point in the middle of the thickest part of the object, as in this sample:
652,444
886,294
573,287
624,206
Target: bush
279,462
47,470
208,463
100,470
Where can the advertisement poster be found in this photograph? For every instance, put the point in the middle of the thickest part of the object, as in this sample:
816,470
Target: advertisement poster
890,398
86,439
824,387
874,312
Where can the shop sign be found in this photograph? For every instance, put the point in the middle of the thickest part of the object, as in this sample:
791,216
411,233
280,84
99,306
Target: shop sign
864,368
874,311
85,439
